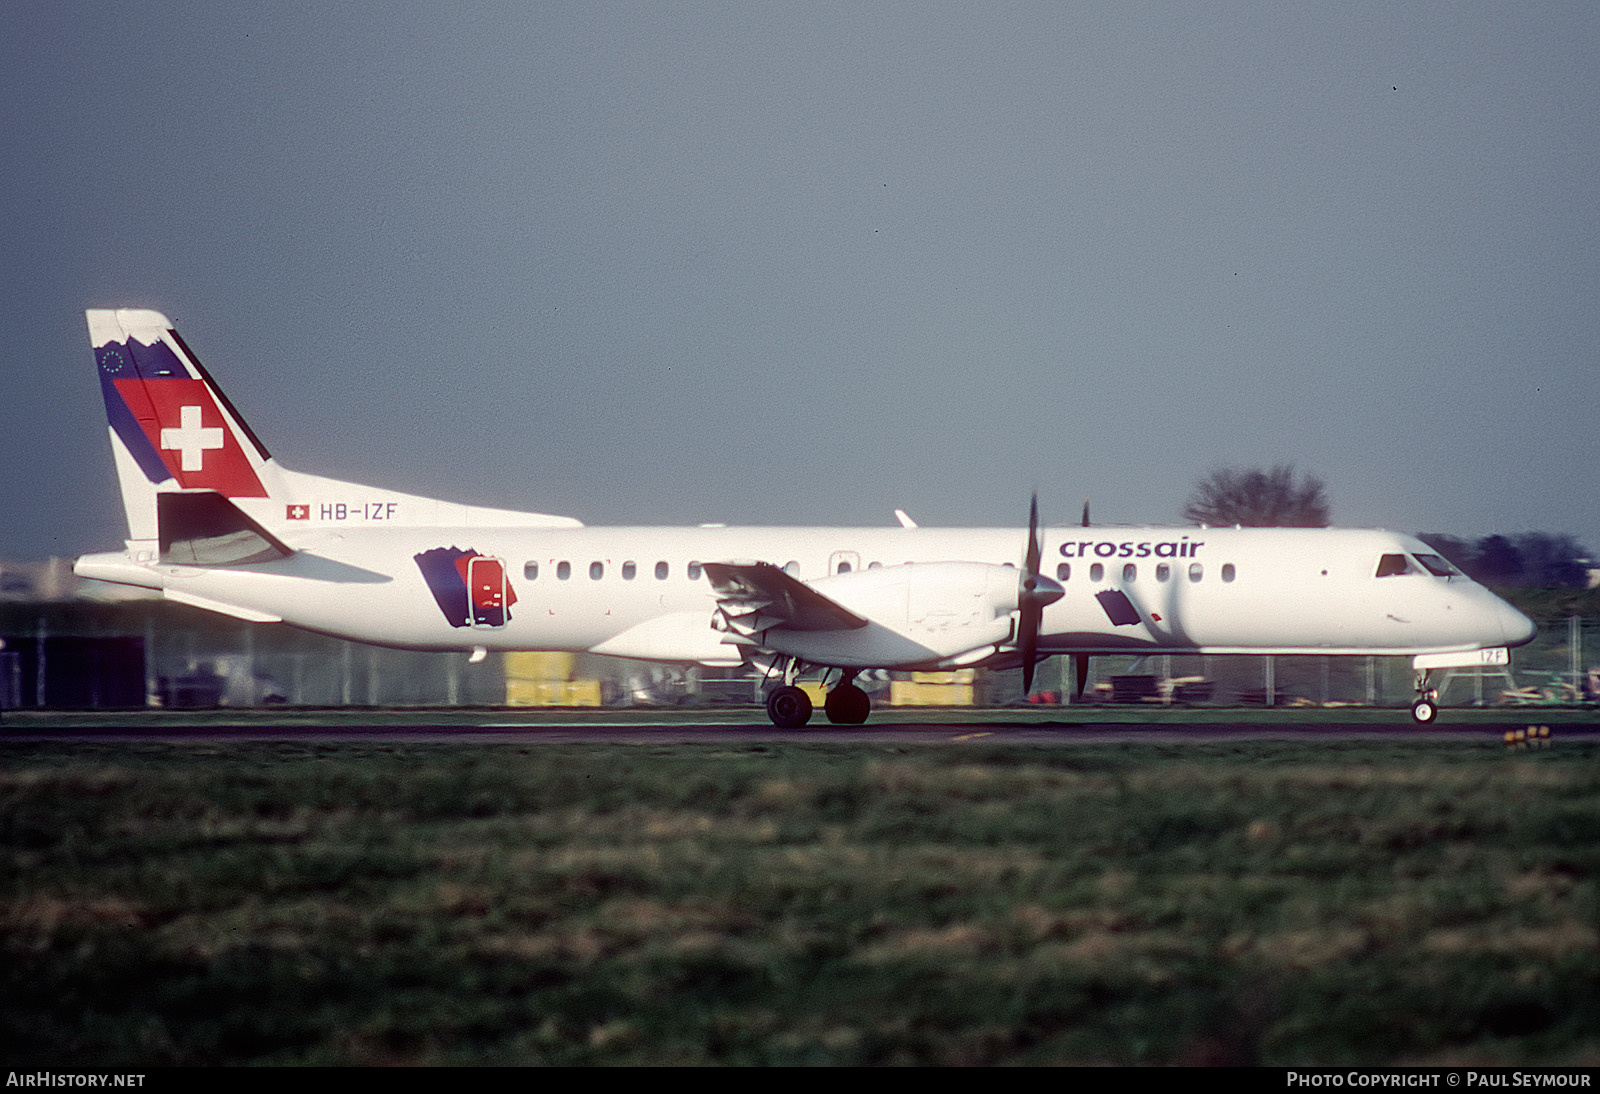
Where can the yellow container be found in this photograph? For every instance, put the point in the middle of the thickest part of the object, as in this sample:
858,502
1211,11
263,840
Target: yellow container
532,693
955,676
911,693
582,693
552,693
539,665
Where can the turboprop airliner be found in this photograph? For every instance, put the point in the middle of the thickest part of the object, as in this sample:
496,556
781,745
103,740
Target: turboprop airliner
214,521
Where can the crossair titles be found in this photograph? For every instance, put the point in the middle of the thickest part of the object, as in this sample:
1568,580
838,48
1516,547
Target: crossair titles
1172,548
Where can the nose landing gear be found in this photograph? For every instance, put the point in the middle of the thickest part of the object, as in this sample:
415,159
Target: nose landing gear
1426,707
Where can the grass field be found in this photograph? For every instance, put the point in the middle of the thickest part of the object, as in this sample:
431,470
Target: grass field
969,903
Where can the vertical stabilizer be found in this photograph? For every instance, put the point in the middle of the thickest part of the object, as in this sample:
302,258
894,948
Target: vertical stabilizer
171,429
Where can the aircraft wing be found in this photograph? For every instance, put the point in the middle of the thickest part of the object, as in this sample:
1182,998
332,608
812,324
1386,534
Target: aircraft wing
760,595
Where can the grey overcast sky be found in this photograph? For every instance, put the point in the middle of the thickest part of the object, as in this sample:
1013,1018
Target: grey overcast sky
810,262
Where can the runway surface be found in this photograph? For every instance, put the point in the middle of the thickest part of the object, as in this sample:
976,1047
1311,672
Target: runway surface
496,727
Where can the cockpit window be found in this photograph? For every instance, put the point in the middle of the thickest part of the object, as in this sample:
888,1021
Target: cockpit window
1392,565
1437,566
1420,563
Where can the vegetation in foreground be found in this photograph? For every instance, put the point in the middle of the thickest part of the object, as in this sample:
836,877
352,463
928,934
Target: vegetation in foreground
1243,902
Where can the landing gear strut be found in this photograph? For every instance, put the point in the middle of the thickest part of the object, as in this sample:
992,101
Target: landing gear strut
1426,708
789,707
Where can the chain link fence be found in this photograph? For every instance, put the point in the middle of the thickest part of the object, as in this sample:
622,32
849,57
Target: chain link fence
83,654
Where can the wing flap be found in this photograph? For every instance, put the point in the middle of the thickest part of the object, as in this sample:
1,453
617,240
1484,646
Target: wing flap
757,595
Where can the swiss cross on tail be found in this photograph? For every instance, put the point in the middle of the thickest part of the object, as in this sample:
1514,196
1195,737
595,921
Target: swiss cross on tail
191,440
192,437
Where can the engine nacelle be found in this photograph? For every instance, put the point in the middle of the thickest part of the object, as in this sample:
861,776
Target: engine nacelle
919,615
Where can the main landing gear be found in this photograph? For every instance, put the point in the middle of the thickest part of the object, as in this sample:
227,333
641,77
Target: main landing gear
789,707
847,705
1426,708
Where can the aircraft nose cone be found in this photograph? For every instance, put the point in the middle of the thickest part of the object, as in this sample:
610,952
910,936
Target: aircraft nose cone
1517,628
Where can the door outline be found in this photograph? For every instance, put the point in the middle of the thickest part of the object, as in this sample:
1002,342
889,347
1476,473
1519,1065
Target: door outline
487,589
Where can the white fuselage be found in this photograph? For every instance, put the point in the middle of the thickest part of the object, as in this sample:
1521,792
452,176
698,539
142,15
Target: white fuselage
638,591
215,522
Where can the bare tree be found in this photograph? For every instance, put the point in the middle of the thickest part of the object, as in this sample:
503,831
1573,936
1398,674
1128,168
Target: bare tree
1255,498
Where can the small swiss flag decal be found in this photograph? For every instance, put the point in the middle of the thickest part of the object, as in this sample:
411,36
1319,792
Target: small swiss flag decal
297,512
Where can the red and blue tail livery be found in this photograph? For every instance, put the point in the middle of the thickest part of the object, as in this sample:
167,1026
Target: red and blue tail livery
166,412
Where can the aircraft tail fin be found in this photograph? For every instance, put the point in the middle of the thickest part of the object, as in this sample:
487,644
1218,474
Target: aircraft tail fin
171,427
174,431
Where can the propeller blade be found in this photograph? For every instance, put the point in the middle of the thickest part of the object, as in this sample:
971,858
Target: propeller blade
1028,642
1034,546
1034,592
1086,512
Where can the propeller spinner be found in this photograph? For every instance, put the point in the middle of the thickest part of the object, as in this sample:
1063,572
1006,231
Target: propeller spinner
1034,593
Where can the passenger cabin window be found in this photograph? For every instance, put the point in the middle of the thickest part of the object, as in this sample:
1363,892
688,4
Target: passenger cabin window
1163,571
662,570
1196,571
597,570
1097,572
530,571
1227,571
1063,571
628,571
563,570
694,571
1130,572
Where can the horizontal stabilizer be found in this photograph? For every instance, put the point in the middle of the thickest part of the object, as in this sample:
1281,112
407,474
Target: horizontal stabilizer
222,607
